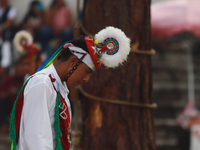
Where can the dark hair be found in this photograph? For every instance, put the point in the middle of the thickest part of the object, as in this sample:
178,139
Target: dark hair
35,2
30,12
66,54
79,42
54,3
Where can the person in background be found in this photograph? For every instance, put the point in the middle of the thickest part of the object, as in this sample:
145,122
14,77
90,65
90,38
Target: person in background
33,20
9,88
32,60
58,24
29,54
7,16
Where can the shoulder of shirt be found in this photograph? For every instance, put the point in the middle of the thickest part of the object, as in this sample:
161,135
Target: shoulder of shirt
39,79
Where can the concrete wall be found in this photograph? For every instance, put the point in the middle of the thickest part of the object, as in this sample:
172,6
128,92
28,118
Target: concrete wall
156,1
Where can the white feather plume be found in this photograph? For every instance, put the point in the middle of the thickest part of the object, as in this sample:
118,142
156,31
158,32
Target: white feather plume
22,35
124,46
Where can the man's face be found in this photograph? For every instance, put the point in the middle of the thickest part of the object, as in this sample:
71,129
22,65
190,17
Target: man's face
19,70
30,65
80,75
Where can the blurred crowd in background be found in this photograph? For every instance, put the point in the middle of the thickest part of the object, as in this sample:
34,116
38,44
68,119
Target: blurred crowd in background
49,27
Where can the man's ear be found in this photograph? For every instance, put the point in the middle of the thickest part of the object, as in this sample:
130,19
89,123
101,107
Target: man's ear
72,61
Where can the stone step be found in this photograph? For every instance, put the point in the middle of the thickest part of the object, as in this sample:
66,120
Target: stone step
167,112
173,101
174,61
169,75
173,68
170,85
167,85
165,147
169,134
174,97
173,75
165,122
173,57
166,142
165,91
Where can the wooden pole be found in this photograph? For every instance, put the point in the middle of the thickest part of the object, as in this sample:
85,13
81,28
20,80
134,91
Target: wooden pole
113,126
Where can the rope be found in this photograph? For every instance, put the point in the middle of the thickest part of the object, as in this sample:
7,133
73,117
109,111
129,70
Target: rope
151,52
154,105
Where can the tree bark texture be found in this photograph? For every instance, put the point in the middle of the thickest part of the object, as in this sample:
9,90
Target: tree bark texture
113,126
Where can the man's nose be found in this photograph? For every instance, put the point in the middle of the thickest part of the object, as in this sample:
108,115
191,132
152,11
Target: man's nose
86,78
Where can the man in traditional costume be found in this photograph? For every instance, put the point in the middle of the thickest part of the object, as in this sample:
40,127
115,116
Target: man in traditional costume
29,53
41,115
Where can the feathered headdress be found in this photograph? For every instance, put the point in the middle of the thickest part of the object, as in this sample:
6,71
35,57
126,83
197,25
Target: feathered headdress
23,42
110,47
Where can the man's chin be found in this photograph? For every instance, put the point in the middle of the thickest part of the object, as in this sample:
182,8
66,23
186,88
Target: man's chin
77,84
74,86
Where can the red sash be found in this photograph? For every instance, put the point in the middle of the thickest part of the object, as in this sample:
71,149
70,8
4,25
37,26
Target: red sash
64,118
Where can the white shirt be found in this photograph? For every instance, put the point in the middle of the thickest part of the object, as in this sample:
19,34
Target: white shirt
37,119
11,13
